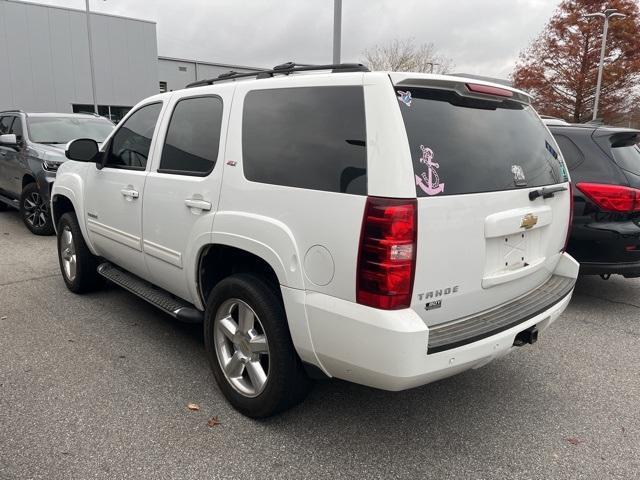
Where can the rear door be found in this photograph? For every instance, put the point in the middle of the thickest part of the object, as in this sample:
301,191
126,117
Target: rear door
182,190
478,152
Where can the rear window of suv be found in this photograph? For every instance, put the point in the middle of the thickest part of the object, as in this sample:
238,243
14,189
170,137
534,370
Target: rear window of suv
628,158
306,137
464,145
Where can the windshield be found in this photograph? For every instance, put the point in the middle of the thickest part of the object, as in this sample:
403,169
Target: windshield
64,129
628,158
465,145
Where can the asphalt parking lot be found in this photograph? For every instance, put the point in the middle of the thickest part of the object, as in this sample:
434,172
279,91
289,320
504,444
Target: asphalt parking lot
97,387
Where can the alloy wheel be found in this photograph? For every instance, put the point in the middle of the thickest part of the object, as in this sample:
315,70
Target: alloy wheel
36,210
242,347
68,254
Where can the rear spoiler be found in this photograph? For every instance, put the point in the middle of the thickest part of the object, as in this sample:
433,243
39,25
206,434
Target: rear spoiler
466,87
618,138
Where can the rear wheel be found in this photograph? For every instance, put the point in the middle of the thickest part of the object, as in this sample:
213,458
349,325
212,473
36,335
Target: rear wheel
250,349
77,264
35,211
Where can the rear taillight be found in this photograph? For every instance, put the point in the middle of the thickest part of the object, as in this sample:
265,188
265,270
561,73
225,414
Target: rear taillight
386,260
566,241
615,198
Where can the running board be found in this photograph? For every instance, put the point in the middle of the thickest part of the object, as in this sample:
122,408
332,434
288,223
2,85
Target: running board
10,201
176,307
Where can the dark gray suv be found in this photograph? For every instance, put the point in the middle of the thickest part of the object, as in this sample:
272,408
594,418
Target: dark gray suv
31,149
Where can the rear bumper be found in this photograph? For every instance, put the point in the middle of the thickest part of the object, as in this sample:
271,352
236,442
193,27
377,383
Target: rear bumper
605,246
628,269
388,349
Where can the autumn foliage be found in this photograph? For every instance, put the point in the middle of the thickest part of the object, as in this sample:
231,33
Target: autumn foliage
560,68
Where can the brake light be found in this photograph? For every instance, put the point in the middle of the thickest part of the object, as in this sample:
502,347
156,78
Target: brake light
386,259
566,241
489,90
615,198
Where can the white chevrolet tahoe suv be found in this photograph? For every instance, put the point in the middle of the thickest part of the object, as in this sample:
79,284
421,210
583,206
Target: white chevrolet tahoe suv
389,229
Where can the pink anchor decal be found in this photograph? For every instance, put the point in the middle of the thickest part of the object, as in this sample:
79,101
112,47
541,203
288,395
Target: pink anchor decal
429,181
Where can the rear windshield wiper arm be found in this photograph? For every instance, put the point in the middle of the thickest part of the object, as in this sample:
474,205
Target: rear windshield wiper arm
545,192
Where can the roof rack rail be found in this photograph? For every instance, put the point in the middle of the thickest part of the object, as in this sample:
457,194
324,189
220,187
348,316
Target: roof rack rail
282,69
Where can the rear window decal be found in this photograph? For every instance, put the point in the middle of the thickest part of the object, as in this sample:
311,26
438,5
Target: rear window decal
551,150
405,97
518,176
429,181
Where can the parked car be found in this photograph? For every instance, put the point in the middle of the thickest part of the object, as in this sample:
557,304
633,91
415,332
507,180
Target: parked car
389,229
605,170
31,150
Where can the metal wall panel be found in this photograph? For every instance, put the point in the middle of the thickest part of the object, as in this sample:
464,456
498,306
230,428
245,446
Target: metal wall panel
44,55
169,71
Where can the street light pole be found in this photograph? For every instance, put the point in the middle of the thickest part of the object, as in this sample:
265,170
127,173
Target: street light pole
607,14
93,74
337,30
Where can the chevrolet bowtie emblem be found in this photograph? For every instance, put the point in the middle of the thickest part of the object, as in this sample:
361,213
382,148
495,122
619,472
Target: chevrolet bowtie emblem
528,221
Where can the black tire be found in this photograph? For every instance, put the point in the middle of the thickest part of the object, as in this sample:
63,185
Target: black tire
86,277
35,213
287,383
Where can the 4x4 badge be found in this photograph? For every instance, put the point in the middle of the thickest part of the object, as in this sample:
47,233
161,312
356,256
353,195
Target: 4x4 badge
528,221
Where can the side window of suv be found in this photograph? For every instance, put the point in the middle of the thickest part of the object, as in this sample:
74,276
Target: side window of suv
306,137
16,128
131,143
570,151
5,125
193,137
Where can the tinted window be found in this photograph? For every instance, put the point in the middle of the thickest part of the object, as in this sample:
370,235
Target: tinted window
572,154
193,137
5,125
130,145
62,130
463,145
16,128
628,158
311,137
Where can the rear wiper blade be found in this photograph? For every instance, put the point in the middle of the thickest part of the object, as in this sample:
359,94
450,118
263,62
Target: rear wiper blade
545,192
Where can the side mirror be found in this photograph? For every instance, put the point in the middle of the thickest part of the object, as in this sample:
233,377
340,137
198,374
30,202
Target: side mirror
9,140
82,150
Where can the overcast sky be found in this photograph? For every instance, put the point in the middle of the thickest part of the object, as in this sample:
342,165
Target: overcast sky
481,36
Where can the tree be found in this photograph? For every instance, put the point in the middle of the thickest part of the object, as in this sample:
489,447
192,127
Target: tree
406,56
560,68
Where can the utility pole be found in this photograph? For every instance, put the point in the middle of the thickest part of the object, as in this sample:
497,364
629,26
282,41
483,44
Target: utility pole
607,14
337,30
93,73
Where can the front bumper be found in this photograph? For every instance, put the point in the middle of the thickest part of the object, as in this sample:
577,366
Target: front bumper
388,349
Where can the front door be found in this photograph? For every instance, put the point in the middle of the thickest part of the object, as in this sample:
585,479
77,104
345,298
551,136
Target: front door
11,158
113,196
182,188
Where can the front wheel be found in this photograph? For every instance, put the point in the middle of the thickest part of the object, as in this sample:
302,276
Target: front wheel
35,211
77,264
250,349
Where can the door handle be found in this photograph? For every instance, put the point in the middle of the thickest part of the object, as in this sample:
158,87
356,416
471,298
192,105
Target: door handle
197,203
129,192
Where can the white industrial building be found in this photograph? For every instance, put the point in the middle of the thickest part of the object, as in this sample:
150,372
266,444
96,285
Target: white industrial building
44,53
